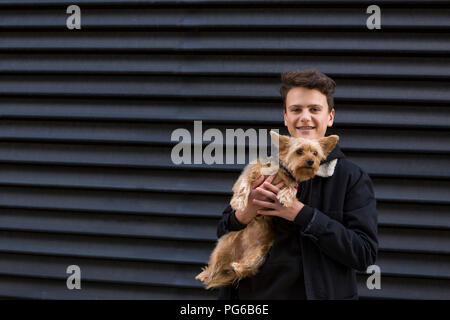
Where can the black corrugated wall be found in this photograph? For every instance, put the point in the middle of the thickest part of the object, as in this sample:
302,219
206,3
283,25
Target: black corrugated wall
86,176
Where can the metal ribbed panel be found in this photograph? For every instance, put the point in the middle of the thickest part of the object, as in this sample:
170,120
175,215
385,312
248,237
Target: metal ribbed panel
86,119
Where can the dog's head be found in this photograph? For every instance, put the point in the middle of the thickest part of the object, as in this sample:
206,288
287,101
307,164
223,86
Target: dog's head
302,156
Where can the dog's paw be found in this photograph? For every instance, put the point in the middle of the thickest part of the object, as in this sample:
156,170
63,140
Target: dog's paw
238,203
286,196
202,276
239,200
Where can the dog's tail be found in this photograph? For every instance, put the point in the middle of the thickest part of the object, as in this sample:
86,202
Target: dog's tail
225,278
222,278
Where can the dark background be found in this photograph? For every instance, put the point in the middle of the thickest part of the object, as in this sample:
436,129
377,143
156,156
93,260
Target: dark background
87,115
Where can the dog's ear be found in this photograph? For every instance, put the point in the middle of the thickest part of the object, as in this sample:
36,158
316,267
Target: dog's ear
280,141
328,143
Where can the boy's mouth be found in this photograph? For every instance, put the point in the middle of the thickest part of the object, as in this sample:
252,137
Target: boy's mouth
305,128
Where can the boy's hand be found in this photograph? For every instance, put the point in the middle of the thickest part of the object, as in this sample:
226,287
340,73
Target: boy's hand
272,206
250,211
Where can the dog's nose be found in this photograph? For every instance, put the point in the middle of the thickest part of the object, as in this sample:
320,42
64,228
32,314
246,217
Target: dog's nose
310,162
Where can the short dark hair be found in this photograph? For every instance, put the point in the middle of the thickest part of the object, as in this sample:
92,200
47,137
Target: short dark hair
311,79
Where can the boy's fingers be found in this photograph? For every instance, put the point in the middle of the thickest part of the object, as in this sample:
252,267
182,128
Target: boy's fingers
268,182
280,185
260,196
267,194
270,178
272,188
258,182
264,204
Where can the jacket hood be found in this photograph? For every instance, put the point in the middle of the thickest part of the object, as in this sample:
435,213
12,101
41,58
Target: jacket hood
326,168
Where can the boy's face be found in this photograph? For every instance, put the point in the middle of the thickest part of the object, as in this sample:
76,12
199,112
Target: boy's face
306,114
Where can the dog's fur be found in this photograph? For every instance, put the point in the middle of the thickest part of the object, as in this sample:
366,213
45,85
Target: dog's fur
239,254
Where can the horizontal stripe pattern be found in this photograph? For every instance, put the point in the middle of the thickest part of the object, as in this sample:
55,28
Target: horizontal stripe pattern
86,174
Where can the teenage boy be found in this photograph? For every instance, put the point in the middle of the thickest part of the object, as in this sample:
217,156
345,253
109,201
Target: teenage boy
330,232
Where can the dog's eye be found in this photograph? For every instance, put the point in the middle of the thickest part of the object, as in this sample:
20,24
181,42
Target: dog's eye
315,153
299,151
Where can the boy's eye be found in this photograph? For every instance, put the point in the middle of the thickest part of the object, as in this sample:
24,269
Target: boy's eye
299,151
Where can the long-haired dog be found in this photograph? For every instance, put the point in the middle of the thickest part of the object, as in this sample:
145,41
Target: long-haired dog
239,254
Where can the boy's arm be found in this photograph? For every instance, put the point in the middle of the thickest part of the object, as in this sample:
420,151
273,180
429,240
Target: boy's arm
228,222
353,242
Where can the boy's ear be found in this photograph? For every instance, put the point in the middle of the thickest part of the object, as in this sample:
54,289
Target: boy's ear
328,143
280,141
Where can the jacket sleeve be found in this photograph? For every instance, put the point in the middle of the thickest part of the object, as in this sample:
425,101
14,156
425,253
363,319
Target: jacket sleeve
228,222
353,242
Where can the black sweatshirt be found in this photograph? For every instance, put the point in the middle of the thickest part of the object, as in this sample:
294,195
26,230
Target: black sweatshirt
316,255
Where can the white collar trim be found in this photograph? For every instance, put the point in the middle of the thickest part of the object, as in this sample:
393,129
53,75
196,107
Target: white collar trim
327,169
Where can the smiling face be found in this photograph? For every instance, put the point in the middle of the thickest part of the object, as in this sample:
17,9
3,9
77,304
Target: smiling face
306,114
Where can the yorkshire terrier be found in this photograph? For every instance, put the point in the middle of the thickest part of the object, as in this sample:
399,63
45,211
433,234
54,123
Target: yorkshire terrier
239,254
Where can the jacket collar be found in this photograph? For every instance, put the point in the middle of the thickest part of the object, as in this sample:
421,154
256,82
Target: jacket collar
327,166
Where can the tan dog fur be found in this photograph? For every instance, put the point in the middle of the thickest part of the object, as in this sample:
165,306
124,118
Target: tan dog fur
239,254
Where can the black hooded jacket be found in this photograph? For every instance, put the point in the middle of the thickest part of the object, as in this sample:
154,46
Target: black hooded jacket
316,255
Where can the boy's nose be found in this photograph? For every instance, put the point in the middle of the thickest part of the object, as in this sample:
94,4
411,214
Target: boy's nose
310,162
305,118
